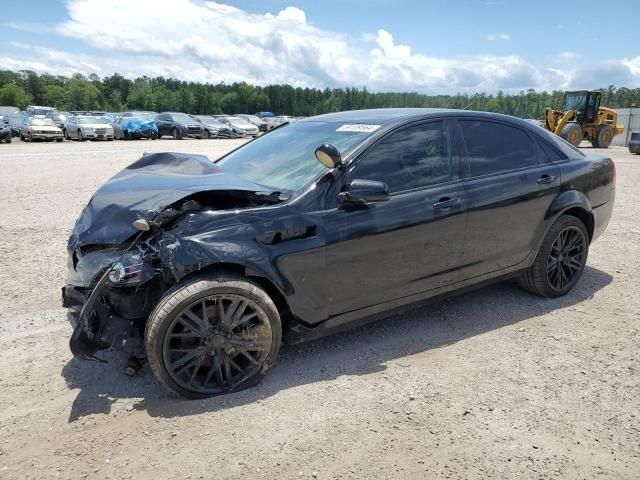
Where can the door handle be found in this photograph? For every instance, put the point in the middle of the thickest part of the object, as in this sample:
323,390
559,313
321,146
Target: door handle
446,203
546,179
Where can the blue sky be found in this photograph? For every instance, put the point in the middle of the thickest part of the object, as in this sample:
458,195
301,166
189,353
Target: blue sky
430,46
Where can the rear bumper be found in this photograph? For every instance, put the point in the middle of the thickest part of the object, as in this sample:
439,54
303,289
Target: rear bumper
602,215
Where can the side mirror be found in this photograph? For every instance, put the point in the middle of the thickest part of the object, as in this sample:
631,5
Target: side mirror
328,155
363,192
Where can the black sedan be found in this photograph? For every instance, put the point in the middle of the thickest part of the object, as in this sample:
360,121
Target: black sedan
320,225
178,125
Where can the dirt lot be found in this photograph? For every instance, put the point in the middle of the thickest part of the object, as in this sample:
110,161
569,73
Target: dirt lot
491,384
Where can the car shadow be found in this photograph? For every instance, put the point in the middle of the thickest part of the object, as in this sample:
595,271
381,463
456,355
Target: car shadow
360,351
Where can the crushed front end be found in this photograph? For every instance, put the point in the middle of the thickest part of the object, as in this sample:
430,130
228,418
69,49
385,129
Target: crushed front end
120,251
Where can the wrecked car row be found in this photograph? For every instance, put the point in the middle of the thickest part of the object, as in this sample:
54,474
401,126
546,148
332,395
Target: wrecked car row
319,225
132,125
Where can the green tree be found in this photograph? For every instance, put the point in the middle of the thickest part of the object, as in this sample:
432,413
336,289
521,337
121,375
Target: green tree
56,96
15,96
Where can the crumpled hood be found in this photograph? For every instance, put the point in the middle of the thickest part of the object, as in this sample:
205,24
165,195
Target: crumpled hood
145,187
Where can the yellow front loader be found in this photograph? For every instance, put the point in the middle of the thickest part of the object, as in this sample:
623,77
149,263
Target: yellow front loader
582,118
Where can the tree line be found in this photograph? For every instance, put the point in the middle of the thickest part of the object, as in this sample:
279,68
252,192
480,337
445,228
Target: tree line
117,93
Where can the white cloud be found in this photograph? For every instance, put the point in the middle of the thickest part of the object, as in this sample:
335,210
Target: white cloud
498,36
213,42
567,56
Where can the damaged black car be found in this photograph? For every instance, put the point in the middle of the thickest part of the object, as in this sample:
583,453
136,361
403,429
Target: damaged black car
206,268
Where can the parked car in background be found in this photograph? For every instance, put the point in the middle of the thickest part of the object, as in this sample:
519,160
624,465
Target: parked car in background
634,142
255,120
89,128
15,122
271,123
5,131
33,110
88,113
134,128
213,128
239,125
178,125
60,119
4,110
140,114
265,115
218,263
40,128
282,119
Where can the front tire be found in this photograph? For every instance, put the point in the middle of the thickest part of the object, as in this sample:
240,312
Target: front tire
176,135
604,136
572,133
213,335
80,136
560,260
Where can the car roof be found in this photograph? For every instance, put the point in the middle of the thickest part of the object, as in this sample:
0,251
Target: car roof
395,116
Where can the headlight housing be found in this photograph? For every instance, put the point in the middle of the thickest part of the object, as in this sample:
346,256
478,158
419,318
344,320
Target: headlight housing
133,269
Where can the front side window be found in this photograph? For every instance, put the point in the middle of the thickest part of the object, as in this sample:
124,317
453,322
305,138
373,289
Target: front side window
496,147
413,157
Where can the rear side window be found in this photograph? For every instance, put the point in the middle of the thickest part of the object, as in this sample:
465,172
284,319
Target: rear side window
495,147
412,157
551,154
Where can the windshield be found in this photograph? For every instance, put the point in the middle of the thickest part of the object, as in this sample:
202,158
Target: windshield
253,118
92,121
284,159
181,118
238,121
209,120
42,122
575,101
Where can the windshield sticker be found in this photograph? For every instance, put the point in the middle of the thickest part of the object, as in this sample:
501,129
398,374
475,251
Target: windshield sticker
358,127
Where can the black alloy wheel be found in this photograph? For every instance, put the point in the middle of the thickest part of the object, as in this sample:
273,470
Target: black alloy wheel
213,336
566,258
560,260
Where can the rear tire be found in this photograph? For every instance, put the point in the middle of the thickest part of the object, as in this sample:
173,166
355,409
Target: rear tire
572,133
560,260
604,136
226,327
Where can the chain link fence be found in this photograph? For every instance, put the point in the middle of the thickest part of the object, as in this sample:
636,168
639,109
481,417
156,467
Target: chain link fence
630,119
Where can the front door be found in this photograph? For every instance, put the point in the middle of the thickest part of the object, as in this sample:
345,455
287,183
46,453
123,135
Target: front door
412,242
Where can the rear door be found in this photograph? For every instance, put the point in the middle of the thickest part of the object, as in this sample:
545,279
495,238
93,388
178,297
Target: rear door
412,242
509,187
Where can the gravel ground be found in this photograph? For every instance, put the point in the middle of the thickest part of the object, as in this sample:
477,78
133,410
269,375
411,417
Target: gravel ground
490,384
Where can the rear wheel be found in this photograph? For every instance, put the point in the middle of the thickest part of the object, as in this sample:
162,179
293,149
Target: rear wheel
213,335
572,133
560,260
604,136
